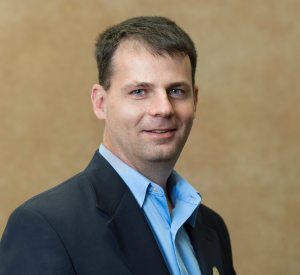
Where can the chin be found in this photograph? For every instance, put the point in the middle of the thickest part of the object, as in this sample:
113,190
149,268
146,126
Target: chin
162,156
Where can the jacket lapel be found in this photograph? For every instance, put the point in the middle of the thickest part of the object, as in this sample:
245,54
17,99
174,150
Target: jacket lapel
128,225
206,245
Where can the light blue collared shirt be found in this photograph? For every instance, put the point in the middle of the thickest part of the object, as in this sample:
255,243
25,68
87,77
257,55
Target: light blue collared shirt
169,232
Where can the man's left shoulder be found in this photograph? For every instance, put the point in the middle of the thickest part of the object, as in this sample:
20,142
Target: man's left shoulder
213,220
209,217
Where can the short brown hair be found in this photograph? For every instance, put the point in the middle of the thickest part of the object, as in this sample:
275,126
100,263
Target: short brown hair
160,35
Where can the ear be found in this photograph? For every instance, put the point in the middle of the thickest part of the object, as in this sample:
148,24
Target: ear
195,99
99,100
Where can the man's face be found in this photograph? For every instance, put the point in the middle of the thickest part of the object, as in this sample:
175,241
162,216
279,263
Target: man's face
150,106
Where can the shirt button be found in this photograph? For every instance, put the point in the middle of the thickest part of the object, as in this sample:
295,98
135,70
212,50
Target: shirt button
154,189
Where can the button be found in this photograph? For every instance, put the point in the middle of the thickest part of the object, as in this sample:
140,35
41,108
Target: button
154,189
215,271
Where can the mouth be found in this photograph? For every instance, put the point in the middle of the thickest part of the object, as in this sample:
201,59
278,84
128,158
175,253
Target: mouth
160,132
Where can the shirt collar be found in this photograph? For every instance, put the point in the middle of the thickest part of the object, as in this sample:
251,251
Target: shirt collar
178,187
135,181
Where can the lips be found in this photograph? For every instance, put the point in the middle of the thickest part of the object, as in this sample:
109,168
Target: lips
159,131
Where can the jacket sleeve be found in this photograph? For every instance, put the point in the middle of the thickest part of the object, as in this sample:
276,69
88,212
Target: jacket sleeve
30,245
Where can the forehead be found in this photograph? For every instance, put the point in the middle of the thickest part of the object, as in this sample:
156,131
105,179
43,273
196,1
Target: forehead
134,59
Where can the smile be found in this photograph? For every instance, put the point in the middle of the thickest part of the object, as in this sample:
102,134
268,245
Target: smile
158,131
161,133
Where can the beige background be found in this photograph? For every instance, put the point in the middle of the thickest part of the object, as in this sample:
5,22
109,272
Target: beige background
243,153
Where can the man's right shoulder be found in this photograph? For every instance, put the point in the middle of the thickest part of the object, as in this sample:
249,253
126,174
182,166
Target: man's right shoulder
57,192
62,199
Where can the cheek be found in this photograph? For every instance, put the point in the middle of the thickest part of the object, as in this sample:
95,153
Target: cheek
124,115
185,112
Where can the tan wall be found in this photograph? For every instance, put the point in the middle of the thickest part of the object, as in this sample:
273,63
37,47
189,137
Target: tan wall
243,154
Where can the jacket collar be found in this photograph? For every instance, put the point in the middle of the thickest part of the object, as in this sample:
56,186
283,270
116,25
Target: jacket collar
206,245
128,225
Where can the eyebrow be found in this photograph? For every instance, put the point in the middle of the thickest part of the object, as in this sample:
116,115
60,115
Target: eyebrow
137,84
179,84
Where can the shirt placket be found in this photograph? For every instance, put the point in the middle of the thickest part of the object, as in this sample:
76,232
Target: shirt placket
160,202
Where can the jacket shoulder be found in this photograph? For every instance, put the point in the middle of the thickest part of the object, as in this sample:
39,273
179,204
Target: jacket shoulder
209,217
62,200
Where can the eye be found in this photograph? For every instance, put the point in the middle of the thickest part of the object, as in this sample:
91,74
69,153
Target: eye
138,92
176,92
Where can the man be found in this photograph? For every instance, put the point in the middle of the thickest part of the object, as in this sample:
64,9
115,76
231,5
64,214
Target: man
128,212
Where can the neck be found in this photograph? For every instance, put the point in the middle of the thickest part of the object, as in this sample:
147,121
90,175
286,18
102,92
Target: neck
155,172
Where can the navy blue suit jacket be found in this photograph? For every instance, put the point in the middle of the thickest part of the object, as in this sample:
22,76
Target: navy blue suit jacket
92,224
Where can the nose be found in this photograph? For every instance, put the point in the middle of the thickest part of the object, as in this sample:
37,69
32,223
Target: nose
160,105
